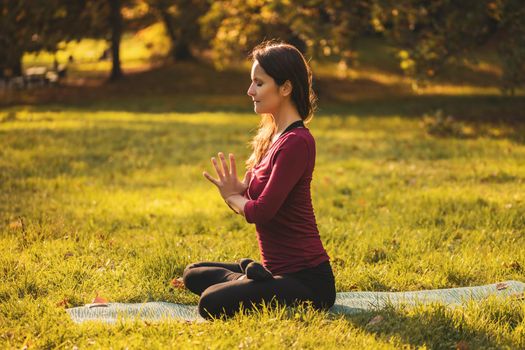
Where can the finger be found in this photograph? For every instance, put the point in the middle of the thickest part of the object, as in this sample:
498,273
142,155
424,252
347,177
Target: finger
247,177
215,182
233,167
247,174
216,166
223,163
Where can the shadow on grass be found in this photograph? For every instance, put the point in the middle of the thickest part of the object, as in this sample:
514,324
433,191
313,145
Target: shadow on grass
193,88
110,147
113,147
435,327
472,108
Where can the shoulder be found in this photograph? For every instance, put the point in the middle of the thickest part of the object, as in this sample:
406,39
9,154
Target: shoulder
297,144
299,137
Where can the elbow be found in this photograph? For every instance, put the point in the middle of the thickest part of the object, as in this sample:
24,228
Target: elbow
262,218
257,214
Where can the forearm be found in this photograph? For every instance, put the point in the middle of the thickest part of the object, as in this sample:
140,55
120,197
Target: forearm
236,202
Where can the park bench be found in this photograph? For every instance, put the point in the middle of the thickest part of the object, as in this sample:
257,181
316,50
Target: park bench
35,76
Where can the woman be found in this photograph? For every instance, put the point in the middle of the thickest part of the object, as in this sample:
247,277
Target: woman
274,195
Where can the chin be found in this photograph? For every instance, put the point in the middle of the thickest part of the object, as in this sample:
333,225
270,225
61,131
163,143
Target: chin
260,111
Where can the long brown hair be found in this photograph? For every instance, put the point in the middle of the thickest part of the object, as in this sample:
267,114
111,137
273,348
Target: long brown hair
282,62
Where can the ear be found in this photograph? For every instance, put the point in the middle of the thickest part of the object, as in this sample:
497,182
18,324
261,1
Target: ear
286,88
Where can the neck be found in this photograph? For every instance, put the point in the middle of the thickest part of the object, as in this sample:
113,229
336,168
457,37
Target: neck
286,115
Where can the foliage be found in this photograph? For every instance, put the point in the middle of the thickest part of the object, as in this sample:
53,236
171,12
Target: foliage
233,27
28,26
430,34
318,28
180,19
427,34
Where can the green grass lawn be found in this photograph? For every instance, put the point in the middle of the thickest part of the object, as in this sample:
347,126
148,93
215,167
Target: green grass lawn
109,199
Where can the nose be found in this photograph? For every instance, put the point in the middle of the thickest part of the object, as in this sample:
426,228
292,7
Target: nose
251,91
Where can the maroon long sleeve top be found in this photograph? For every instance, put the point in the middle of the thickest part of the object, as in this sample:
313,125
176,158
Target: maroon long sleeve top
280,204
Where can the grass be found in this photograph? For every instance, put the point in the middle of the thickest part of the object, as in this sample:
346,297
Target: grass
113,202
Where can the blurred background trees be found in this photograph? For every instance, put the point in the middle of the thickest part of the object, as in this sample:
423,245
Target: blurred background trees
426,34
32,26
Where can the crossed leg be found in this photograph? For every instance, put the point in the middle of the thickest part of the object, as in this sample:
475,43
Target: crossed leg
226,298
199,276
222,293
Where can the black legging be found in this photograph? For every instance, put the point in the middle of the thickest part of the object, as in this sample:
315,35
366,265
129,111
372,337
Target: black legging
222,293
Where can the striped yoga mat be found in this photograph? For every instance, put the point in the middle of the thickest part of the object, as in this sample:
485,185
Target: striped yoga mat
345,303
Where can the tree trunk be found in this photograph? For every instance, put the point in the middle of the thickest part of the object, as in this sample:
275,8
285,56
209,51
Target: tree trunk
16,66
170,28
180,50
115,18
11,64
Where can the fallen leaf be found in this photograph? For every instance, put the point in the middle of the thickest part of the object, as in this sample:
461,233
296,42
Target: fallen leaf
177,282
327,180
63,303
99,300
338,261
375,320
513,265
462,345
353,287
16,225
501,286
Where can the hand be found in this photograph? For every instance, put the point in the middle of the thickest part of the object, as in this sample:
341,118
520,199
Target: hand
228,183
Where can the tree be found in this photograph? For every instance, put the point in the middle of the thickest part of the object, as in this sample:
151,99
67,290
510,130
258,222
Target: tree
431,34
319,28
29,26
180,17
36,25
331,27
115,20
427,34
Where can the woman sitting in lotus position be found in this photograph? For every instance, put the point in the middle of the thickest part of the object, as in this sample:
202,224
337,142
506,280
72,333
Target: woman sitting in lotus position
274,195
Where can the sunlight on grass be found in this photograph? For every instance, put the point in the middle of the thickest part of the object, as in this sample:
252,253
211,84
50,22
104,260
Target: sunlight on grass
99,201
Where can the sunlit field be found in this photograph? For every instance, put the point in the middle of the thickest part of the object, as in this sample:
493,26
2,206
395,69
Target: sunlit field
114,203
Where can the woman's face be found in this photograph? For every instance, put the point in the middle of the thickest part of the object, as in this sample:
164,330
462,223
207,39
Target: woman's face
263,91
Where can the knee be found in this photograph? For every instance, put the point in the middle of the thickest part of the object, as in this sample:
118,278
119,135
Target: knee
209,305
188,268
189,276
217,302
191,266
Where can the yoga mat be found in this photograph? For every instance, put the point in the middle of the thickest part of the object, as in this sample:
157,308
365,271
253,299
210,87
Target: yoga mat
345,303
